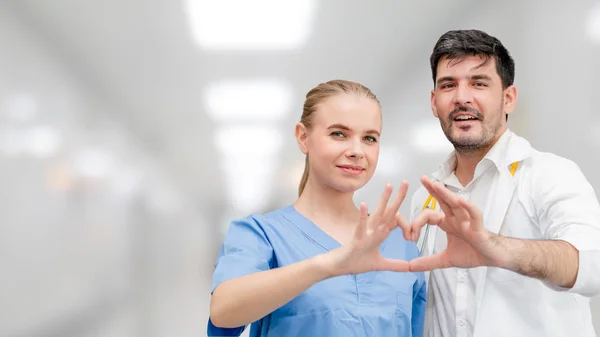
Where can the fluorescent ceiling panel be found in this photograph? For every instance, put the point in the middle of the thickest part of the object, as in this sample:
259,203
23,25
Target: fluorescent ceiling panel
262,141
248,100
248,193
593,27
250,25
94,163
43,141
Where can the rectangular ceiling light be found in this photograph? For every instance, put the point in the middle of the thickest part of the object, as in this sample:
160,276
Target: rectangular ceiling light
234,141
248,194
249,164
248,100
250,25
593,27
250,178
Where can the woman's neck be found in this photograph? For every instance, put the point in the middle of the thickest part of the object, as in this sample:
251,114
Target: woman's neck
324,204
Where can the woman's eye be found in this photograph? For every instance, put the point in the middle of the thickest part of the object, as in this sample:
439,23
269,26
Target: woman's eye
371,139
337,134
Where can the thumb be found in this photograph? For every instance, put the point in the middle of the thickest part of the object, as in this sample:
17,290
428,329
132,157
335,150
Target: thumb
426,263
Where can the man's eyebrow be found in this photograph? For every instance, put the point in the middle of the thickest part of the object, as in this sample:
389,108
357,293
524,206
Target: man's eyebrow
481,77
474,77
445,79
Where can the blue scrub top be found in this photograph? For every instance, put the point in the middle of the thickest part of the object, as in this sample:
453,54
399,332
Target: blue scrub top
379,303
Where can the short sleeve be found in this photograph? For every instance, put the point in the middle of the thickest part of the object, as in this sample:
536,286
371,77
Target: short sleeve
245,250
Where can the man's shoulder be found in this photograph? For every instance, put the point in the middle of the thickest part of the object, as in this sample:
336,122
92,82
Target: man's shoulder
546,173
548,163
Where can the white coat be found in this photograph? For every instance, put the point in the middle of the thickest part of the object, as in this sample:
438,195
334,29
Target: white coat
548,198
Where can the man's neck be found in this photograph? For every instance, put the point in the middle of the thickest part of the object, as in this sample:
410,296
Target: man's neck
467,161
466,165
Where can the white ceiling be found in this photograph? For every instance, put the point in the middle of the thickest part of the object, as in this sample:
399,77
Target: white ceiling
139,59
142,59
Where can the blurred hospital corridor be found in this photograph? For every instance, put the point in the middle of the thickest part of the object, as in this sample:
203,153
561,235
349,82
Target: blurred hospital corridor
132,133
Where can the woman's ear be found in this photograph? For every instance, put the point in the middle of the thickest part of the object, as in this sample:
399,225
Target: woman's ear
302,137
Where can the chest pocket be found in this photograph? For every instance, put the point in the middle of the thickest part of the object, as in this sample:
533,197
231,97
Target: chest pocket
394,290
404,304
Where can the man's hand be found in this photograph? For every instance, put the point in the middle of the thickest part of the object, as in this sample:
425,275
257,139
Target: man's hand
470,244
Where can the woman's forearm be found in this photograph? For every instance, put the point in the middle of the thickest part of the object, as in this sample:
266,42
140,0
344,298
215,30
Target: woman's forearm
243,300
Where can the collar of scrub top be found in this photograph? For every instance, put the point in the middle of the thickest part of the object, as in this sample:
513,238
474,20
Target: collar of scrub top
431,203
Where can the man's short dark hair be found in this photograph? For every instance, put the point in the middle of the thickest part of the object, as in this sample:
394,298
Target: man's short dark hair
458,44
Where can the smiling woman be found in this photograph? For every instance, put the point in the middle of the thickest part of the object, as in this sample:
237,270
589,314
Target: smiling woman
342,101
285,270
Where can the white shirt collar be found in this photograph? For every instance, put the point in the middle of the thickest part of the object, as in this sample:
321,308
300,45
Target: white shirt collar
495,156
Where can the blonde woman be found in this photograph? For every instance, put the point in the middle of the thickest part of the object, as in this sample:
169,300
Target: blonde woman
322,266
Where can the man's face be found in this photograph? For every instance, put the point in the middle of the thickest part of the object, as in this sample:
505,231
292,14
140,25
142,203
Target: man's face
470,102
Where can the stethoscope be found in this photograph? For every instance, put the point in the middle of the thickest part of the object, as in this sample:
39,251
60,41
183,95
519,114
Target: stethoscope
431,203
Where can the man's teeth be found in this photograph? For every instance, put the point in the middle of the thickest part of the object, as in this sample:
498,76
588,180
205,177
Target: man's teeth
465,118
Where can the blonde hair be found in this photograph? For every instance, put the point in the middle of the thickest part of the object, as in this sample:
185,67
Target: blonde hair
316,96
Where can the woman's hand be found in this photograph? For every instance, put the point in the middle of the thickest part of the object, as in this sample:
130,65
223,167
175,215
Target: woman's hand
362,254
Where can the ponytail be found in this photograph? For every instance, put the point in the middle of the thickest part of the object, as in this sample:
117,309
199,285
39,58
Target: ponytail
304,177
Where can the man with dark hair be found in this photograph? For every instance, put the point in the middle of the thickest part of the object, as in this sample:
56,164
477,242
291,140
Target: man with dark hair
510,236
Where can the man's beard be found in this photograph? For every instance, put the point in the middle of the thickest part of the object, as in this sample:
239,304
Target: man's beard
471,145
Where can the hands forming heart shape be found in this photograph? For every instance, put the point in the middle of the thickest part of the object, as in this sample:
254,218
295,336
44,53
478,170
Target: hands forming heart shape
470,244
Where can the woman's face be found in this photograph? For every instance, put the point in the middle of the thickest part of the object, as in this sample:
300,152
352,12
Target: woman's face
343,143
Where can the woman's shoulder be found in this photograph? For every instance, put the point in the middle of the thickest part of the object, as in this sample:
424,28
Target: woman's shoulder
270,217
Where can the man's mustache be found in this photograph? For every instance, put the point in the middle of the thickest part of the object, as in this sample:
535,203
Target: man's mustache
467,109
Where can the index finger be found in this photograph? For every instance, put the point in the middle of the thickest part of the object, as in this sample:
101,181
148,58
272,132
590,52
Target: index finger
450,202
393,208
437,192
359,231
381,206
443,194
